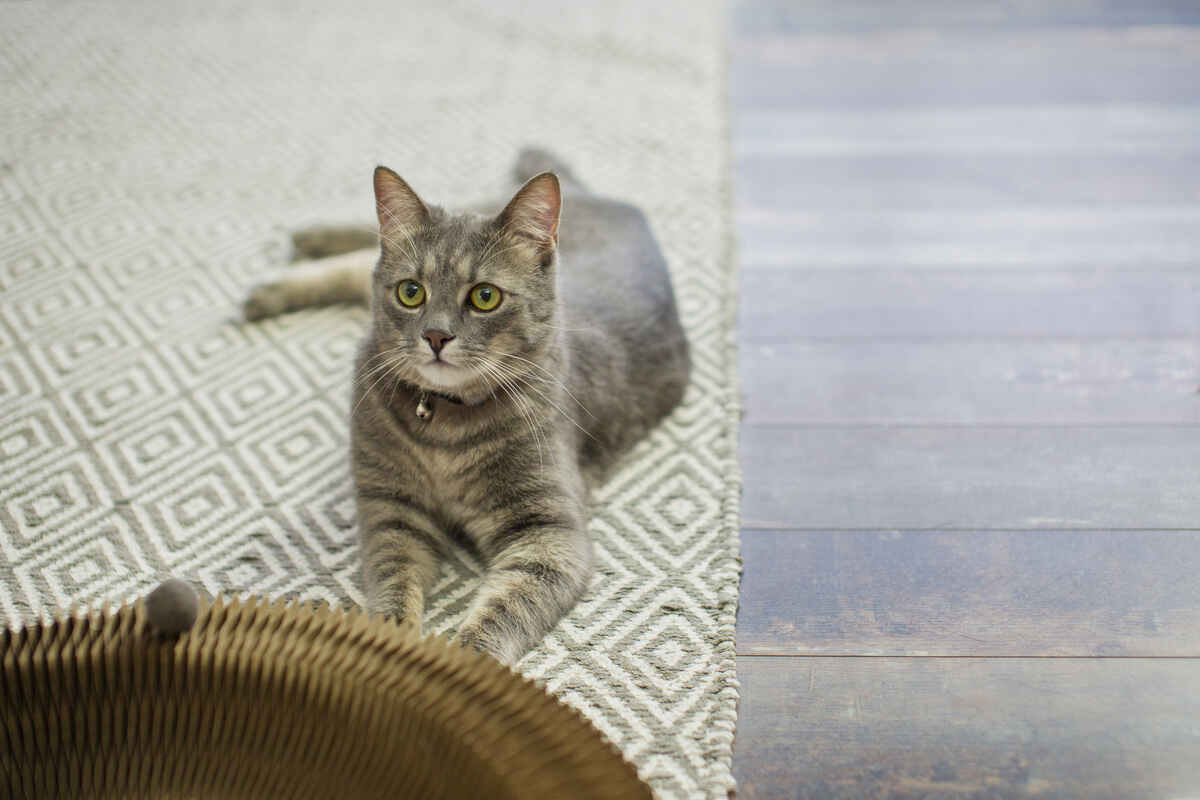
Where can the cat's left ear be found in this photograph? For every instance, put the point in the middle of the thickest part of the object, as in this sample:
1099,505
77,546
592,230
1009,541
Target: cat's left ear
534,211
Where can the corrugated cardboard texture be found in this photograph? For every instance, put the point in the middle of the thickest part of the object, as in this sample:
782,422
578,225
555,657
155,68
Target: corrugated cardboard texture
273,701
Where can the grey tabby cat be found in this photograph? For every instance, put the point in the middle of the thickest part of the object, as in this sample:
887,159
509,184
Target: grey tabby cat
495,387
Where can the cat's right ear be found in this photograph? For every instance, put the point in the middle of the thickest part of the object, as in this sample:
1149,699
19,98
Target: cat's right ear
396,203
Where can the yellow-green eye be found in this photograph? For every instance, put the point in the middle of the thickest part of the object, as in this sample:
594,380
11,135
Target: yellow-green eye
410,293
485,297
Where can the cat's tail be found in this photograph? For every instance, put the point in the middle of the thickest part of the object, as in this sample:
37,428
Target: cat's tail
534,160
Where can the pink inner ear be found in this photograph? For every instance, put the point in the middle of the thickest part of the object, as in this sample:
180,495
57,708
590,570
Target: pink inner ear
535,209
396,203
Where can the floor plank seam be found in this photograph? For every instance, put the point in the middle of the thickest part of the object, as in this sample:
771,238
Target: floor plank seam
784,528
969,657
971,425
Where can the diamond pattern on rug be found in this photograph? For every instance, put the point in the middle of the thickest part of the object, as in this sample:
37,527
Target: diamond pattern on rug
153,162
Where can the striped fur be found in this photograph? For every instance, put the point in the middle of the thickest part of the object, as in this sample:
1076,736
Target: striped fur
541,396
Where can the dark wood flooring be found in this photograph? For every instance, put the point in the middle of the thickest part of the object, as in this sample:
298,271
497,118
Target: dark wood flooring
970,329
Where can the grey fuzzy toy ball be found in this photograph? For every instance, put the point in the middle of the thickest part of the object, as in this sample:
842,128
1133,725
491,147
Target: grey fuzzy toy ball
172,607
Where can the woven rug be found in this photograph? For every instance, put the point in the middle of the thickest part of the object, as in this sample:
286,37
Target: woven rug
152,160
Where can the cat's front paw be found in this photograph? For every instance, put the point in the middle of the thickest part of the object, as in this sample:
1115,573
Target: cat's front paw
474,639
470,641
265,300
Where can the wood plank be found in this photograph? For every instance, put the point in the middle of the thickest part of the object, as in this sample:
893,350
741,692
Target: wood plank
890,138
887,181
782,306
926,66
971,477
770,16
1001,593
1057,132
997,381
1030,237
936,729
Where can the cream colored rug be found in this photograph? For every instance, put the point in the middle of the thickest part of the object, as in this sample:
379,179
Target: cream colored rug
152,158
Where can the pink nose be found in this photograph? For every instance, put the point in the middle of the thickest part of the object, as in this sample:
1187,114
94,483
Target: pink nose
437,340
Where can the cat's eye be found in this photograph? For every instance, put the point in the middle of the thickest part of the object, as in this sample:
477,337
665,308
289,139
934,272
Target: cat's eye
410,293
485,297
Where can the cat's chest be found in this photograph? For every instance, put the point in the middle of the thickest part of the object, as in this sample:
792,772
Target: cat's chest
454,479
443,474
465,473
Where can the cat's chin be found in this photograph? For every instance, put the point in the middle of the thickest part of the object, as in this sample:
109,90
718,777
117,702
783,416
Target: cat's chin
442,377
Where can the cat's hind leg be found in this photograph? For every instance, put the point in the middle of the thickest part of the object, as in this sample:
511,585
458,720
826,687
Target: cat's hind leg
344,278
322,241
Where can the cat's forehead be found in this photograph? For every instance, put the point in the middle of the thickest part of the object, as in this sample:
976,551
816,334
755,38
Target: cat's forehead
446,245
461,248
454,248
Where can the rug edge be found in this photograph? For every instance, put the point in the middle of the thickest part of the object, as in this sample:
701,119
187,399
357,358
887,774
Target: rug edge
723,783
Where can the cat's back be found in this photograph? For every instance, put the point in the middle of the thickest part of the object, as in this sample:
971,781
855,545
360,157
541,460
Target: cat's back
605,245
628,352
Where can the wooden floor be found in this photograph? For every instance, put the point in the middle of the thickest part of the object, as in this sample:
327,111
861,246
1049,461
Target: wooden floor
970,330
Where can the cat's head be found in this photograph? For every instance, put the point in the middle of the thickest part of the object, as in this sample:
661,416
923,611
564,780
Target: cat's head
464,304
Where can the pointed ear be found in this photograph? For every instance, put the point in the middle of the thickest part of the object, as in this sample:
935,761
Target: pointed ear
396,203
534,210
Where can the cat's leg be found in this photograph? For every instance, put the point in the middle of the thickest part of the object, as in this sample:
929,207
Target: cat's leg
345,278
322,241
537,575
400,552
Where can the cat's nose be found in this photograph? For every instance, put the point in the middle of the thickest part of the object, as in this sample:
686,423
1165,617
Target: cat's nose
437,340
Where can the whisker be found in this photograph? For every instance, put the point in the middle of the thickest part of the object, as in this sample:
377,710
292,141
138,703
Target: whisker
554,327
396,350
394,364
396,385
526,404
522,405
489,259
550,376
483,378
411,246
373,371
389,350
497,237
523,381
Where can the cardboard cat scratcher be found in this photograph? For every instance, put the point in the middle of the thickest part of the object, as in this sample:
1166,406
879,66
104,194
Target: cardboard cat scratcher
272,700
